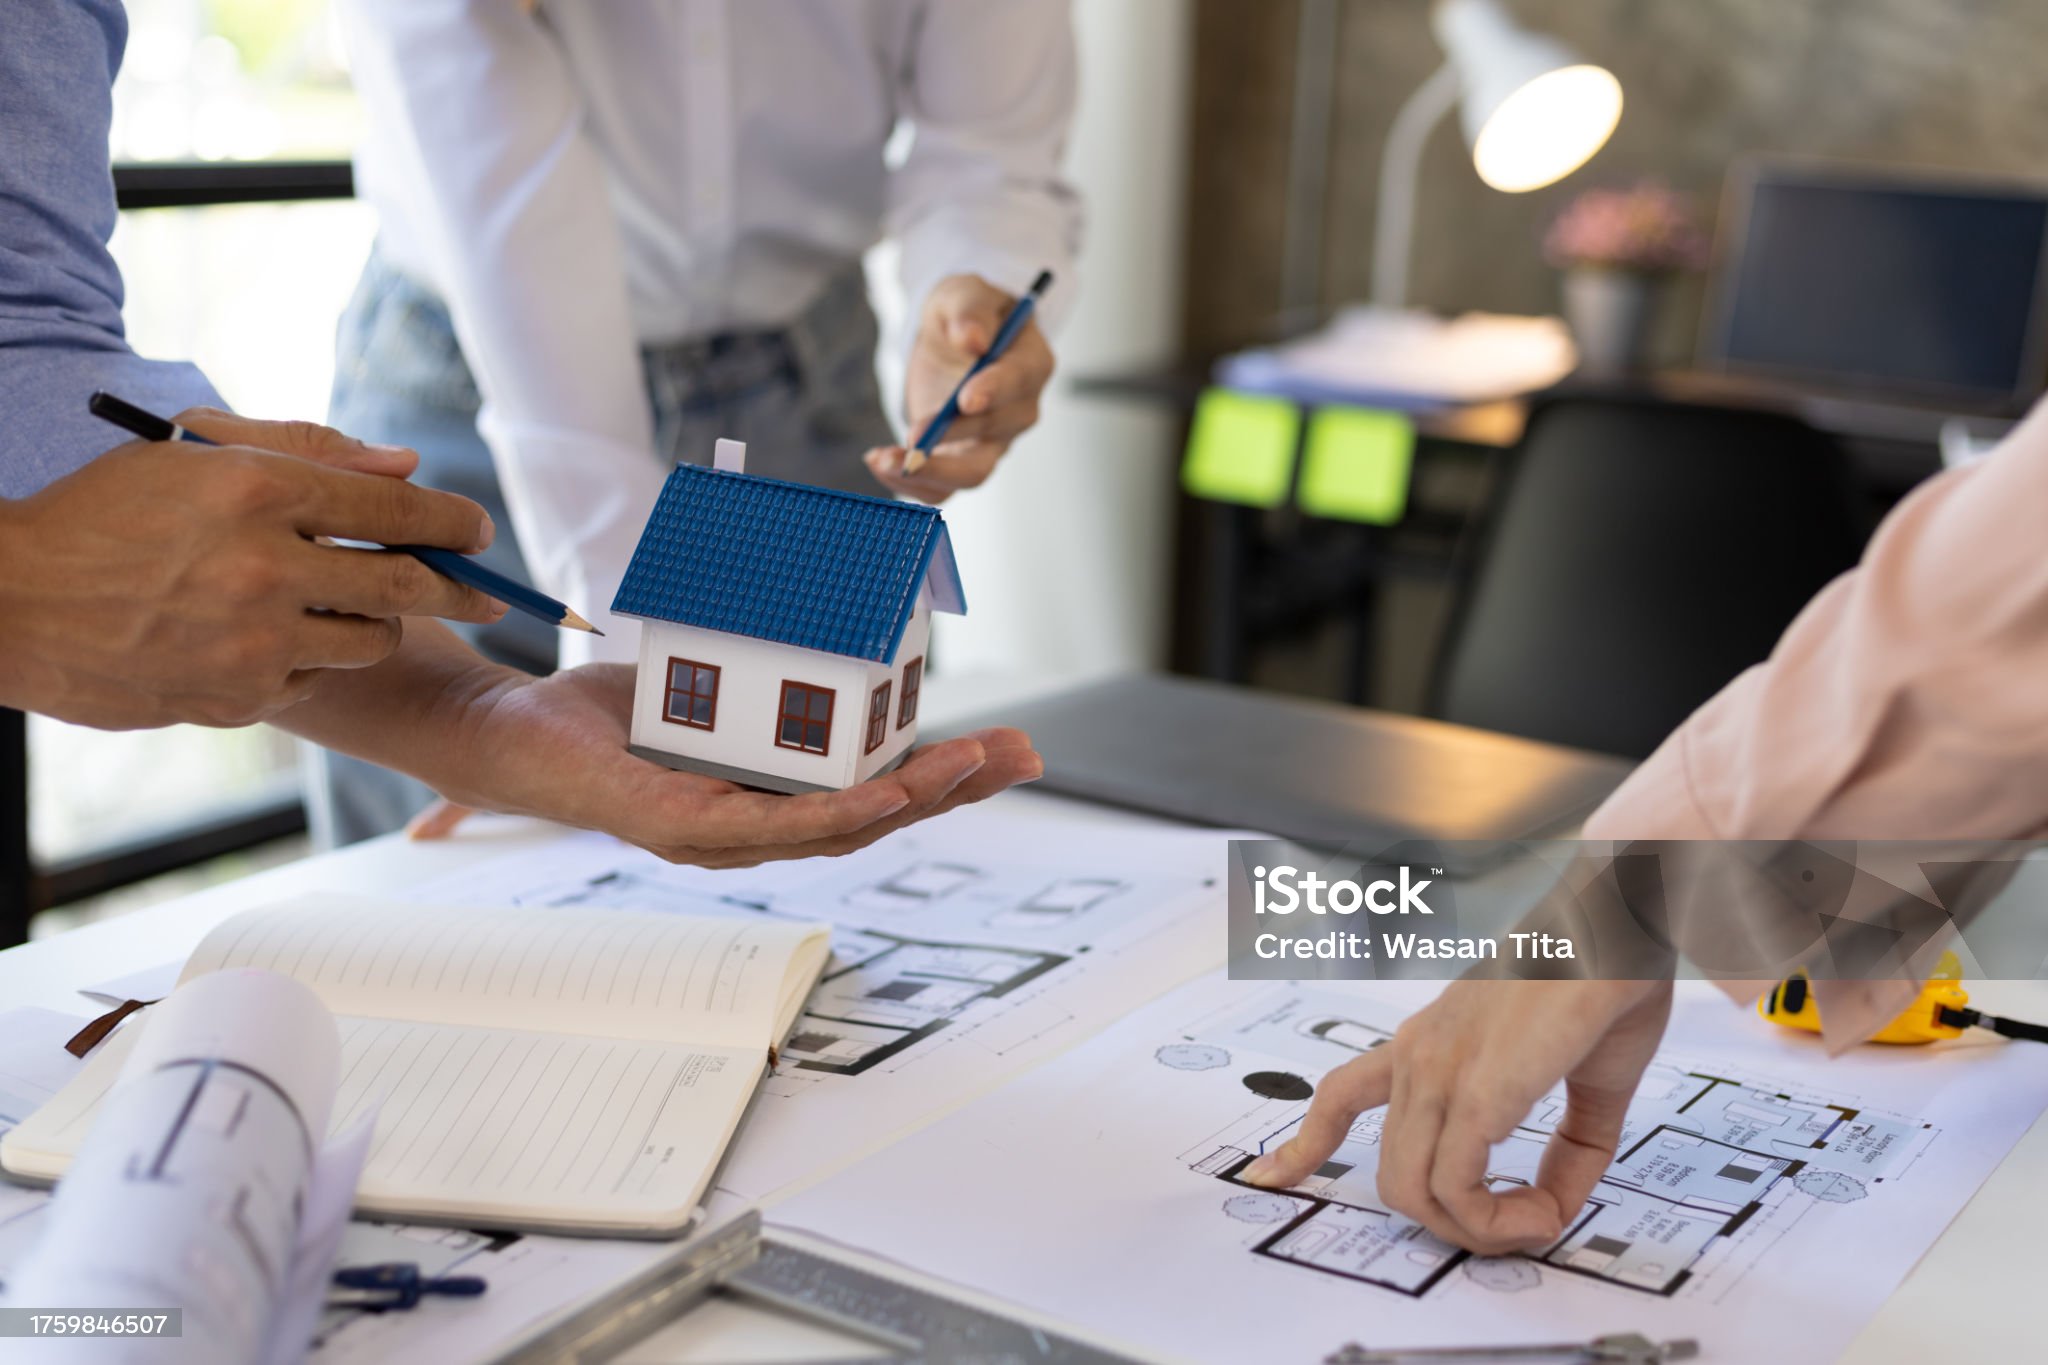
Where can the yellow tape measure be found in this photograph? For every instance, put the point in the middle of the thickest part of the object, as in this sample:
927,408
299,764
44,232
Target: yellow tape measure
1942,1011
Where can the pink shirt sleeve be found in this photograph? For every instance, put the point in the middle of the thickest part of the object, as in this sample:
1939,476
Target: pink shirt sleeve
1909,700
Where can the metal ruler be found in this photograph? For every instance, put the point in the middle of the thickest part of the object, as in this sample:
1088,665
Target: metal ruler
904,1322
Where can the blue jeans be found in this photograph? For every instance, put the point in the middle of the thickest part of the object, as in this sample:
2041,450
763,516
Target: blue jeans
803,398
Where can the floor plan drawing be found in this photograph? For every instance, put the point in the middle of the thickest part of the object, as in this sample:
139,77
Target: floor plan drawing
1059,903
1311,1030
914,887
1709,1167
1730,1212
884,993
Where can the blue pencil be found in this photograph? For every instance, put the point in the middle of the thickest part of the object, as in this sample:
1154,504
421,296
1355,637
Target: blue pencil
464,570
1006,334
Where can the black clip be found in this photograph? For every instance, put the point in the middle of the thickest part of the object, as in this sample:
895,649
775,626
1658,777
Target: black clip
396,1285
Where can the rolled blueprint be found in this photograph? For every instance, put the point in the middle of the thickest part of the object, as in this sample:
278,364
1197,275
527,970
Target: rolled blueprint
189,1190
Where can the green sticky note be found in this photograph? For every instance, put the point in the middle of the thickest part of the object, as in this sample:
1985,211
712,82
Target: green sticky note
1355,466
1241,448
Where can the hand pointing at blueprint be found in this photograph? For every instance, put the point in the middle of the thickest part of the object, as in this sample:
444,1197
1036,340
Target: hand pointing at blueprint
1459,1077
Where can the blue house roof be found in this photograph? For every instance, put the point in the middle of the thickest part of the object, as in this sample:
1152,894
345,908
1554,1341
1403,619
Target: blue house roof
804,566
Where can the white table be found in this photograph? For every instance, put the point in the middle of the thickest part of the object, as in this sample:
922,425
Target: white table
1970,1299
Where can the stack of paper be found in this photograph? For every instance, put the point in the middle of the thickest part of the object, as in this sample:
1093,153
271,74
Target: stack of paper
1410,361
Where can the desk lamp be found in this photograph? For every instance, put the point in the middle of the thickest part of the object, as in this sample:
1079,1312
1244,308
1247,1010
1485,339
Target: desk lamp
1533,113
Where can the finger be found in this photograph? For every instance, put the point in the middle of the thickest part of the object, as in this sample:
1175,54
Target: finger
745,820
299,685
437,821
307,440
888,464
945,473
960,464
1479,1218
1008,759
392,583
968,311
1000,770
999,426
330,641
1360,1084
930,773
1408,1140
1581,1149
1003,769
996,738
1013,381
352,506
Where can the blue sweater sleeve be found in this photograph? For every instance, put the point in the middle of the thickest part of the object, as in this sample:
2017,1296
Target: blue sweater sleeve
60,291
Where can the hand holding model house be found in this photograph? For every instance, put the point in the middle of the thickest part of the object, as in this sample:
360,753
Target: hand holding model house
782,649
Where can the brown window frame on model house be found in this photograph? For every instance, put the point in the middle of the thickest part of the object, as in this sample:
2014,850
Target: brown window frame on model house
878,716
804,720
671,692
913,683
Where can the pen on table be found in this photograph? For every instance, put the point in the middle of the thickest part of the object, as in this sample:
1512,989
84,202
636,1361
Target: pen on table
464,570
1007,333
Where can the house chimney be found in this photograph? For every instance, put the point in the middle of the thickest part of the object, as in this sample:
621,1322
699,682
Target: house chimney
731,456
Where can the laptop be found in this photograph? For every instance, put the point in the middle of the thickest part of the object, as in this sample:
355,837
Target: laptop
1324,775
1879,294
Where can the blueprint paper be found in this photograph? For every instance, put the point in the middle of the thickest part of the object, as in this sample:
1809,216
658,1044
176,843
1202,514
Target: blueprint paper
330,1193
189,1191
1767,1200
964,950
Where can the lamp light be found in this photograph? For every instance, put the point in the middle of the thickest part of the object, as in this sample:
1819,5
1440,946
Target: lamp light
1533,112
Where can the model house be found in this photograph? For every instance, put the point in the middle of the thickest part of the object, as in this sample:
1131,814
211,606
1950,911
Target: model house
782,627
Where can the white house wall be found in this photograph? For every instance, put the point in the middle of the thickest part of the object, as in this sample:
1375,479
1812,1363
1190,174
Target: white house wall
749,697
916,641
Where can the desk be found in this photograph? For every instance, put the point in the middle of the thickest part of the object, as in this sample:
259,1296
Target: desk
1970,1299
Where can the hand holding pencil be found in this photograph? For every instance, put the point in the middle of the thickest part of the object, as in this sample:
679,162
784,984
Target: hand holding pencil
451,563
169,581
976,374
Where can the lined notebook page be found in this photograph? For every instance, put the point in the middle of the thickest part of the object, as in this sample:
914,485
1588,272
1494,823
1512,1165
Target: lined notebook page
539,1127
609,973
43,1144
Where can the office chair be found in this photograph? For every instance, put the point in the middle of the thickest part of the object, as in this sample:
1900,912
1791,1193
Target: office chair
1639,554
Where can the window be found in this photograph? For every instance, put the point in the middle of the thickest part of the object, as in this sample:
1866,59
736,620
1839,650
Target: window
692,698
913,679
239,106
878,717
227,103
804,720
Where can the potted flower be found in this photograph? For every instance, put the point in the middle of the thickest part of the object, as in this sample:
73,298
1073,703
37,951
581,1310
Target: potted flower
1617,248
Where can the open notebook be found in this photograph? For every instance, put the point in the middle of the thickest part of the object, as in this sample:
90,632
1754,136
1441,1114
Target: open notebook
557,1070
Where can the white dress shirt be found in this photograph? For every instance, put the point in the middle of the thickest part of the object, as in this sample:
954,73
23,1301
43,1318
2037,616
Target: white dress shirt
583,178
